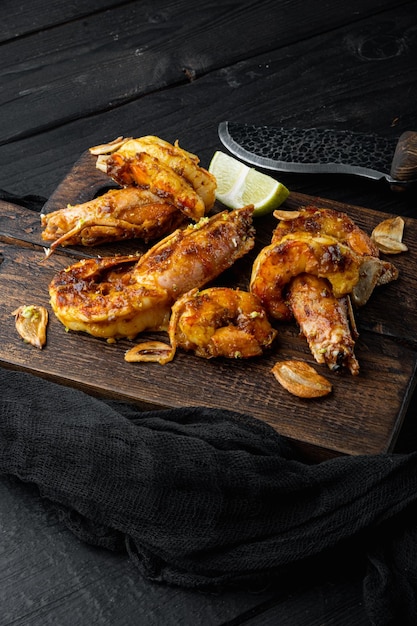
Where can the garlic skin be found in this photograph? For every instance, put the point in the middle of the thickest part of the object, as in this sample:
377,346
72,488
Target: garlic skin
301,379
388,236
31,323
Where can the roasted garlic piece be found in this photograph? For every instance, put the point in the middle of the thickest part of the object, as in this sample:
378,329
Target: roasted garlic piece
150,352
31,323
301,379
388,236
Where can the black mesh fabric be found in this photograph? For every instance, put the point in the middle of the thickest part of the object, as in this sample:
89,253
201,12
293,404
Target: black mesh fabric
30,201
202,498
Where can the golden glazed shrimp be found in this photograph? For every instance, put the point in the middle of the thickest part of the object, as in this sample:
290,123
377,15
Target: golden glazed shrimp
296,253
197,254
220,322
325,322
102,297
123,296
166,169
325,319
321,221
215,322
119,214
184,163
146,171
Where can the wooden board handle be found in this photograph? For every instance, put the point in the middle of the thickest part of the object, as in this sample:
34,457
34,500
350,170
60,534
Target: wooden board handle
404,163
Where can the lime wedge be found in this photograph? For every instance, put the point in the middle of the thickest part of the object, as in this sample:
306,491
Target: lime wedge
239,185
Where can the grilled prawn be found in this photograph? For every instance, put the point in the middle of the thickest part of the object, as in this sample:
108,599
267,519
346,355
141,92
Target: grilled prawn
215,322
164,168
320,221
325,322
119,214
123,296
297,253
220,321
301,275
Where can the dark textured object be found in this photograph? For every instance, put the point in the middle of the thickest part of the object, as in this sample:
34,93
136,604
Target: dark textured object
205,499
30,201
320,150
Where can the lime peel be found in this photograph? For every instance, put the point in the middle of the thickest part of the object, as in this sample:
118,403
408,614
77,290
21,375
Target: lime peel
239,185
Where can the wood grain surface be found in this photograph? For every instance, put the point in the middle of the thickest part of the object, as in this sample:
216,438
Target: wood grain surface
362,415
78,73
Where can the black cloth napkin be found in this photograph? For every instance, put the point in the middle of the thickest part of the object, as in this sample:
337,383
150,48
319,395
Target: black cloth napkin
30,201
207,499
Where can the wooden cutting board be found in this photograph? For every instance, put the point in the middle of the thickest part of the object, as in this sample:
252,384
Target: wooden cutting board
362,415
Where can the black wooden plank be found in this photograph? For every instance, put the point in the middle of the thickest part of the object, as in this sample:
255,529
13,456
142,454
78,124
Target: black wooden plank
92,65
350,92
48,577
22,18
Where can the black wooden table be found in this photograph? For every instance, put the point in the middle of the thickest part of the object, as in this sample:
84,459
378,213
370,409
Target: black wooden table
77,74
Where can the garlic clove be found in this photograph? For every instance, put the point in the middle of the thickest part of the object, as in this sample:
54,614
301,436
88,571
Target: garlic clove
31,323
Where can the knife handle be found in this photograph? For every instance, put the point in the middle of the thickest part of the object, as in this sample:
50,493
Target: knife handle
404,163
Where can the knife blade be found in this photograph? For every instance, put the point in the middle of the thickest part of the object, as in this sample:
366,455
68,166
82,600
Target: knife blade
317,150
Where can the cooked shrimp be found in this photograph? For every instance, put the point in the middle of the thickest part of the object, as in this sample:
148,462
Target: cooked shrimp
123,296
324,321
184,163
118,214
215,322
301,275
296,253
319,221
164,168
192,257
220,322
146,171
101,296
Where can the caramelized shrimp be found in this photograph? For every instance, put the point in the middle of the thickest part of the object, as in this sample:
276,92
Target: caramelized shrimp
118,214
319,221
215,322
165,169
183,163
324,321
103,298
192,257
220,322
318,262
296,253
123,296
